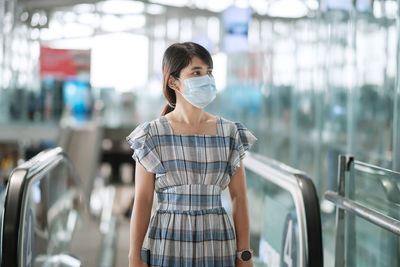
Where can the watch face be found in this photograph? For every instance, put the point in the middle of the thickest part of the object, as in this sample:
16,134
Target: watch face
246,255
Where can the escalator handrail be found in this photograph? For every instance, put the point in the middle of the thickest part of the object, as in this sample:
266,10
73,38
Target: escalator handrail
377,218
19,181
302,189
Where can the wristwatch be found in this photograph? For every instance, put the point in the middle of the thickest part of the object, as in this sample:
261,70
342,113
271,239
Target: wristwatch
245,255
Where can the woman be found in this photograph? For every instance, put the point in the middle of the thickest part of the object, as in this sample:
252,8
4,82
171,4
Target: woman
188,157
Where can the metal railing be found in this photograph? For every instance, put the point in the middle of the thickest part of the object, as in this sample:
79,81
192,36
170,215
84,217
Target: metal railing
344,203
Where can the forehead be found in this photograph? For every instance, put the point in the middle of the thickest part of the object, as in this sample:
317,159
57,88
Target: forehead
196,63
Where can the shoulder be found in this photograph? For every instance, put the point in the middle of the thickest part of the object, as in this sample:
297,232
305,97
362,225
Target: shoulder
231,126
144,128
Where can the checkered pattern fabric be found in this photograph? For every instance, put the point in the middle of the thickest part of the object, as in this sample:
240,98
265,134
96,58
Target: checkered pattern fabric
190,227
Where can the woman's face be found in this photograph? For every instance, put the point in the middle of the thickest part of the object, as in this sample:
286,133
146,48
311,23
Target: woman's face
196,68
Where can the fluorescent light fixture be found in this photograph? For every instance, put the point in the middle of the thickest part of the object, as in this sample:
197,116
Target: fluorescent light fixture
288,9
24,16
177,3
73,43
154,9
35,19
69,16
377,9
200,4
312,4
134,21
111,23
89,19
121,7
119,60
242,3
84,8
35,34
50,34
391,8
77,30
43,20
259,6
218,6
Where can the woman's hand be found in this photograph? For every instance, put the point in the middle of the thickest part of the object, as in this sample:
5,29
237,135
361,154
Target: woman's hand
240,263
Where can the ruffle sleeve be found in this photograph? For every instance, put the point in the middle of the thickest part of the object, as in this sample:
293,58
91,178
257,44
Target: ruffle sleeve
243,140
144,149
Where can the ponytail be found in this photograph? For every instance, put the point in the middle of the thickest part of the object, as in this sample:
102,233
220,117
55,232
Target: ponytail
167,109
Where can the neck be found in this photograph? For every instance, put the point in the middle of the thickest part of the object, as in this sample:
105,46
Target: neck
188,114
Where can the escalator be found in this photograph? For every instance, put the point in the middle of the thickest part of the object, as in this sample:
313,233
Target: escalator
46,216
47,220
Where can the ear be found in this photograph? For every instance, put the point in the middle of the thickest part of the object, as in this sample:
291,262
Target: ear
172,82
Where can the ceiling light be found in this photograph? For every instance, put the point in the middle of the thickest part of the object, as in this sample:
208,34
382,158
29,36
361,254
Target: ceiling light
84,8
35,19
178,3
77,30
69,17
288,9
134,21
154,9
24,16
111,23
218,6
121,7
259,6
312,4
88,18
242,3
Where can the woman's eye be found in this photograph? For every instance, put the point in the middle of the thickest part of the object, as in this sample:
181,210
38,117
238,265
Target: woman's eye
196,73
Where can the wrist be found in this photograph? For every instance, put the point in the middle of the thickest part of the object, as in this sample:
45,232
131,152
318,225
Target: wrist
245,254
134,256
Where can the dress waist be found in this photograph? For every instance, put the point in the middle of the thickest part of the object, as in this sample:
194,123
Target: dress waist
190,198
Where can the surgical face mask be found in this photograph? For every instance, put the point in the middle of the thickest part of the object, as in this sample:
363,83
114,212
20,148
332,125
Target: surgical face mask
200,91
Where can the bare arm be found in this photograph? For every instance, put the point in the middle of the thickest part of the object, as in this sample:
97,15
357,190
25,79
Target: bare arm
240,213
144,187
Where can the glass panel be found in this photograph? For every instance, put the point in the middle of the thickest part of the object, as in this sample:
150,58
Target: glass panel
378,189
274,229
374,100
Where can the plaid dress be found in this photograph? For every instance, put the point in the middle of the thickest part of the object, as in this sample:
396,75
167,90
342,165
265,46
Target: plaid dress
190,227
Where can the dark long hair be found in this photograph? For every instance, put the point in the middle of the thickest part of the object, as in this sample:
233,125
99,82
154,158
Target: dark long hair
177,57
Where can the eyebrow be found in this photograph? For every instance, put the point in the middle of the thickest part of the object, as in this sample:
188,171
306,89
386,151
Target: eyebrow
199,68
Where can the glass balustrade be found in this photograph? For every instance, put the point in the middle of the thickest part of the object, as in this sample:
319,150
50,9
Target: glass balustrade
378,189
368,215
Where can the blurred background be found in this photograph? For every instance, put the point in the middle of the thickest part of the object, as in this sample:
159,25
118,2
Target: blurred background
311,78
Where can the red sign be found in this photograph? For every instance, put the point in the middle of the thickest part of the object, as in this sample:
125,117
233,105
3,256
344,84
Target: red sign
62,63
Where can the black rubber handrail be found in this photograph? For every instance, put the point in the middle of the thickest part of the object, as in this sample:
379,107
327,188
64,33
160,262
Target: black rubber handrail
19,181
